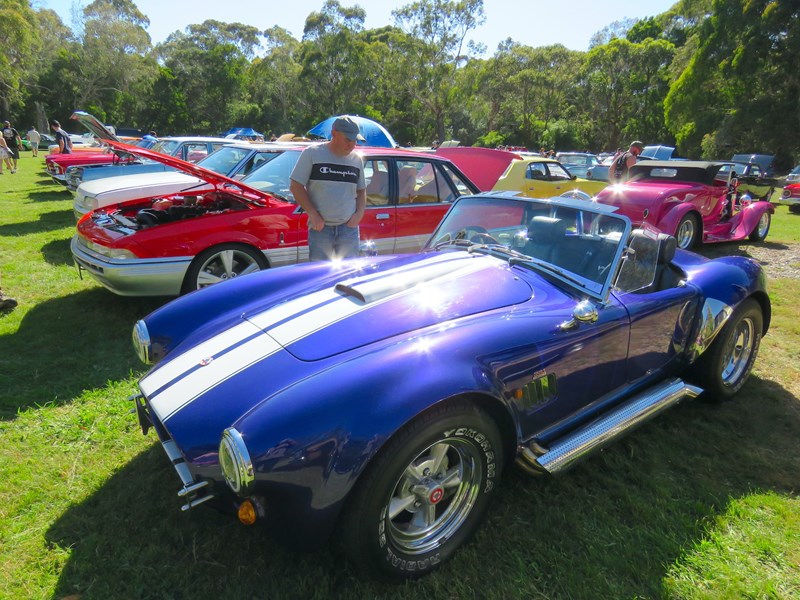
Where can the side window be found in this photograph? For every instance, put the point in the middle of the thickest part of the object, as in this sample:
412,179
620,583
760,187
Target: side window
376,174
462,188
557,172
536,171
194,152
255,161
406,181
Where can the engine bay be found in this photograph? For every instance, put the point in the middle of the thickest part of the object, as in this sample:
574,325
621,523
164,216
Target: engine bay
159,211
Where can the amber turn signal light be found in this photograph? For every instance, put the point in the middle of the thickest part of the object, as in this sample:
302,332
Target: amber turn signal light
247,513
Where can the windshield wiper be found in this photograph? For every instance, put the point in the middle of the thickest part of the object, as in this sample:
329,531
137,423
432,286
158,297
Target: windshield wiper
461,243
528,261
498,249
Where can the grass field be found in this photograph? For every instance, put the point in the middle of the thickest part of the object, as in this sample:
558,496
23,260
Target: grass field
701,503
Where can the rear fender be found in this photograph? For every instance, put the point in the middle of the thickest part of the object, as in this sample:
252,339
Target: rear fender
668,223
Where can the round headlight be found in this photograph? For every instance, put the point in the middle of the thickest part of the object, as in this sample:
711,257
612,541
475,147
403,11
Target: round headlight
234,460
141,342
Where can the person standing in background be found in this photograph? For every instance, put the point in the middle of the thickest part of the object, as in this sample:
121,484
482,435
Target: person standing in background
618,171
13,143
62,138
35,138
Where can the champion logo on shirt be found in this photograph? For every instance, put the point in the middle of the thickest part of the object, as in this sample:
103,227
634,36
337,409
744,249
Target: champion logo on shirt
333,172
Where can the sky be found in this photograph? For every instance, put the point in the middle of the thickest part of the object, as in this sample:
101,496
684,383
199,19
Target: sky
535,23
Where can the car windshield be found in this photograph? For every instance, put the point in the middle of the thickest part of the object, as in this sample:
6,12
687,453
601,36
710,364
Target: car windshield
273,177
574,241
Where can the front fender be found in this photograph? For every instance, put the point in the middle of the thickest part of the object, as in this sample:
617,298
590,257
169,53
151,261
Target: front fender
749,217
311,442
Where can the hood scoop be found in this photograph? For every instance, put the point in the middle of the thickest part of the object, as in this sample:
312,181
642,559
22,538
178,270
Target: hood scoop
373,289
394,300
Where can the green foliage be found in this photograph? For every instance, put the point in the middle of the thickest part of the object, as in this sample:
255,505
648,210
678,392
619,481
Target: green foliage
492,139
741,85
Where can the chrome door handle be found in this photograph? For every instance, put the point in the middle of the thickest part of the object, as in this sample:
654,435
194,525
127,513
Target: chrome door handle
382,216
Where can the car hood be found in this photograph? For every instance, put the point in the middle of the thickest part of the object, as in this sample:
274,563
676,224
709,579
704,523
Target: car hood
94,126
246,192
390,301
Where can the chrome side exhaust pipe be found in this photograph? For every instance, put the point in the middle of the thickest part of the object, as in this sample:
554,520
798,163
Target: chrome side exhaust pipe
568,450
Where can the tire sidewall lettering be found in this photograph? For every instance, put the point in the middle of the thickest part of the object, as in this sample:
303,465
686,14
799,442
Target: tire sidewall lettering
430,561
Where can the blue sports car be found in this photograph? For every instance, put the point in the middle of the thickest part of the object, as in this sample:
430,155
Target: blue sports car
387,395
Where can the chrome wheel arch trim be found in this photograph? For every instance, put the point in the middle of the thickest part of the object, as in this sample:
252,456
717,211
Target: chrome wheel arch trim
713,316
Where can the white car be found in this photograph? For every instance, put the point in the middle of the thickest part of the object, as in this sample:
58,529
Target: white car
236,160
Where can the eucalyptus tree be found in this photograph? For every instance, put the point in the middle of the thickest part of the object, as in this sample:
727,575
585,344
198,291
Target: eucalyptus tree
335,75
17,51
740,92
275,82
544,87
435,47
113,70
210,65
623,87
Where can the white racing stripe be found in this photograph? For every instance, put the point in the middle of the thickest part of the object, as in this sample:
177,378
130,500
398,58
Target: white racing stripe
185,390
182,380
224,341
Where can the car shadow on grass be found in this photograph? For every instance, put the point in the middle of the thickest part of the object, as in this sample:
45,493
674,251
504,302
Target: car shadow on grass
50,221
610,528
52,195
63,345
58,253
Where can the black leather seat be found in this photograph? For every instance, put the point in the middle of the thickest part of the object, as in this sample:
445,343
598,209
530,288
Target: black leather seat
545,234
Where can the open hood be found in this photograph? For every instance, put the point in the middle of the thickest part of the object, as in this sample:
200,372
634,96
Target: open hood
94,126
220,182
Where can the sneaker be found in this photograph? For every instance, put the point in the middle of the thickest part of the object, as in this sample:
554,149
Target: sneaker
13,170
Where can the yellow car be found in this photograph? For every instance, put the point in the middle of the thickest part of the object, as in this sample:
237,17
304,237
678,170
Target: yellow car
540,177
533,175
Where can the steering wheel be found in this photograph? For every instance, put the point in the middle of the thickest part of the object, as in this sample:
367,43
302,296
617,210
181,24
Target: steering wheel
477,234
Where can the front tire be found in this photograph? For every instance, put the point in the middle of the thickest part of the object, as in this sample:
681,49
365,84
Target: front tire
723,369
220,263
761,229
425,494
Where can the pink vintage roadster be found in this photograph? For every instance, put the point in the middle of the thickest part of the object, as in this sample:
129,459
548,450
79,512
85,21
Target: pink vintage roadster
691,200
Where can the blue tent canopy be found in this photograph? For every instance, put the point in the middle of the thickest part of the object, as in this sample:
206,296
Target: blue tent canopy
245,131
374,133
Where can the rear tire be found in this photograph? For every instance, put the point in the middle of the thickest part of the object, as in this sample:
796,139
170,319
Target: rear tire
723,369
686,232
425,494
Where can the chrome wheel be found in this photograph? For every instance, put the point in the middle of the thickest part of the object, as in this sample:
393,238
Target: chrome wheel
762,228
685,235
224,265
737,355
434,495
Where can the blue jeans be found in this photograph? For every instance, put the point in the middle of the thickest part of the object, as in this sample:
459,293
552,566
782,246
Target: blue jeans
333,242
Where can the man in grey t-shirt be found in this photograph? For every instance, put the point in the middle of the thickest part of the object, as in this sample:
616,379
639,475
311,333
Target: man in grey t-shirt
328,182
